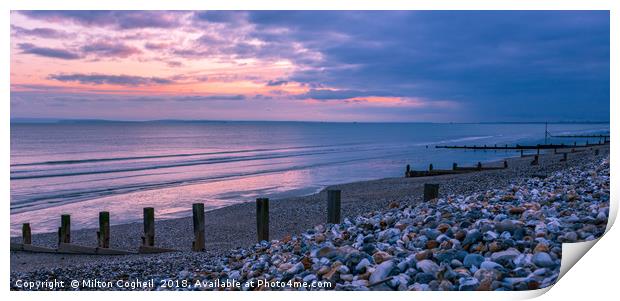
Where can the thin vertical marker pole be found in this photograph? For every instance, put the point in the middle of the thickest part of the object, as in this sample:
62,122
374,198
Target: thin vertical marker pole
65,229
26,234
333,206
198,213
104,229
148,239
431,191
262,219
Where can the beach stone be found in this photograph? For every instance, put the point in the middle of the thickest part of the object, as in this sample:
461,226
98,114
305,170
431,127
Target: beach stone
382,271
296,268
516,210
362,265
490,235
473,260
468,284
541,247
309,278
426,254
428,266
424,278
443,228
446,285
509,254
495,246
460,234
490,265
543,259
381,256
472,237
570,237
601,218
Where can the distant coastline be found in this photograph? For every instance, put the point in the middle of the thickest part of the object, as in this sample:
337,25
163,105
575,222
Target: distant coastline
73,121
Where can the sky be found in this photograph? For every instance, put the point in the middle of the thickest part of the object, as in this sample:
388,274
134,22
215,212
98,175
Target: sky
364,66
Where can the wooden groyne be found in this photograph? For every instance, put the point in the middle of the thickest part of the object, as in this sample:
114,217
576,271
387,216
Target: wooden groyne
409,173
519,147
148,246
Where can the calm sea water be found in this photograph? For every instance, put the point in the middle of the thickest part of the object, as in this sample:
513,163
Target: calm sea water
86,167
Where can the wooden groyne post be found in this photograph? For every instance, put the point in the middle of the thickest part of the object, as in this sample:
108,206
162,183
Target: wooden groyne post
148,240
26,234
596,151
535,161
431,191
103,235
407,170
430,167
454,166
333,206
198,213
64,232
262,219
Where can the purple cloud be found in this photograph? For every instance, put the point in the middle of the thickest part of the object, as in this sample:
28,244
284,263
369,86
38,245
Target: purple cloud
47,33
327,94
110,49
155,46
101,79
116,19
47,52
273,83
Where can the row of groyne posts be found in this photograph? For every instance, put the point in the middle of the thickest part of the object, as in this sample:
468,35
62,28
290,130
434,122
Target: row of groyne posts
456,169
431,191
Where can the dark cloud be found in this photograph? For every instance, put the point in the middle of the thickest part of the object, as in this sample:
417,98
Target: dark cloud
47,33
505,64
47,52
155,46
116,19
273,83
101,79
326,94
210,97
110,49
220,16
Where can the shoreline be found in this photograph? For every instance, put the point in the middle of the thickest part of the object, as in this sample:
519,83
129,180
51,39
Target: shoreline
288,216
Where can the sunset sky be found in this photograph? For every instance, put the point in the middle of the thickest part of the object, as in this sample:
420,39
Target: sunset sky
317,66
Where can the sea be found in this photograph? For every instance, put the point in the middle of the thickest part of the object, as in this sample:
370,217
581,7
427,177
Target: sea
84,167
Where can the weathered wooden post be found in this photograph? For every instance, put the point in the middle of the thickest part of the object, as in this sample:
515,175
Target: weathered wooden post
479,166
538,149
103,235
535,161
333,206
26,234
454,166
198,213
564,157
430,167
262,219
596,152
64,232
431,191
148,240
407,170
505,164
521,152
